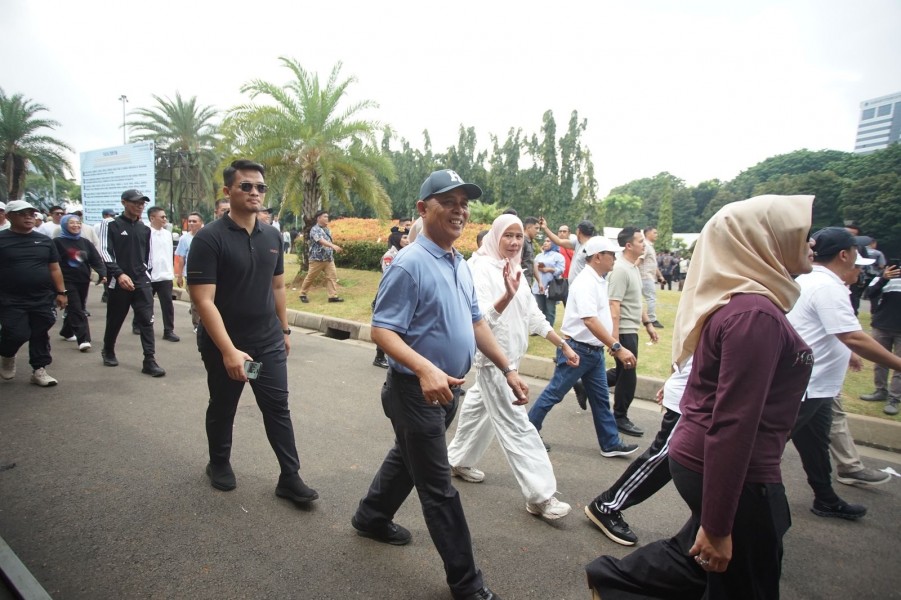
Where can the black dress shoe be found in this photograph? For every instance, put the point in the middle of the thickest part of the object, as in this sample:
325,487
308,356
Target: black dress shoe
387,533
136,330
153,369
304,299
482,594
109,358
336,299
627,427
581,396
171,337
380,362
221,477
293,488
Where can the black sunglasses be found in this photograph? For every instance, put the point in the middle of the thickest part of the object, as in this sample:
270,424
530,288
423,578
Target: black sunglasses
247,187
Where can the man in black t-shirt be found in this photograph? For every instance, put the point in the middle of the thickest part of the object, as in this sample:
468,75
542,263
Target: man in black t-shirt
240,296
30,280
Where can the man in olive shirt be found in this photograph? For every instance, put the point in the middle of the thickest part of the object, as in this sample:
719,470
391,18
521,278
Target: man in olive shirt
628,316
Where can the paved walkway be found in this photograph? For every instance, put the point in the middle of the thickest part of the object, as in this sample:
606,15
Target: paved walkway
108,498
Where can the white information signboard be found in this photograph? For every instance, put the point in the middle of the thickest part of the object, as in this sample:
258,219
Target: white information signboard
106,173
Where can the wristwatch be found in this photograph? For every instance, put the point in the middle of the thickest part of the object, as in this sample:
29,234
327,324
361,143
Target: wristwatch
62,293
616,347
507,369
286,331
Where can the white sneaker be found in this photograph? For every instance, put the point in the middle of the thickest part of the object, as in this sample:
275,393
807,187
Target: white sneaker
71,338
42,378
470,474
7,367
84,346
549,509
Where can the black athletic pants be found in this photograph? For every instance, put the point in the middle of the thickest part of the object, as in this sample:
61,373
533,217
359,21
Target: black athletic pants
76,319
647,473
162,290
117,305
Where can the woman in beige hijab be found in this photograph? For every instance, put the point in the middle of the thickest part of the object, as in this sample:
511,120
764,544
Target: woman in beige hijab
749,375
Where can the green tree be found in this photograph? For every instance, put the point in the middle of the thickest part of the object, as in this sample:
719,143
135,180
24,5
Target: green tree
184,136
665,222
317,152
24,145
620,210
873,203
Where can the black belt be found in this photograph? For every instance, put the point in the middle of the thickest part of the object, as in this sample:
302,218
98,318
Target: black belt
583,346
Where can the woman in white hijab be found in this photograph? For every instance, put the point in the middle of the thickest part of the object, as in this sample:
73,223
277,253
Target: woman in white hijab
510,310
750,372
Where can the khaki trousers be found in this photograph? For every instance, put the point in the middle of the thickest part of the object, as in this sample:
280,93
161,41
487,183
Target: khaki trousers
841,444
331,277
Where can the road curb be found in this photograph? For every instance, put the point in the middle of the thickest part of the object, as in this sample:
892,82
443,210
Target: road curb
868,431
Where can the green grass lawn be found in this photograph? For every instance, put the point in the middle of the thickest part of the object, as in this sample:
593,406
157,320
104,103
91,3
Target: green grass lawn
358,289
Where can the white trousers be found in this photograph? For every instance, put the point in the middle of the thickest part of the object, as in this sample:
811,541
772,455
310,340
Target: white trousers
488,405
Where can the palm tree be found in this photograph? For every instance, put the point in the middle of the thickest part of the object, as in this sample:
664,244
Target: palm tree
23,148
185,136
316,153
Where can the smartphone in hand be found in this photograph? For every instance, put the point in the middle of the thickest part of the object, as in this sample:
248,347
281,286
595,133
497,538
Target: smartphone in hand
252,369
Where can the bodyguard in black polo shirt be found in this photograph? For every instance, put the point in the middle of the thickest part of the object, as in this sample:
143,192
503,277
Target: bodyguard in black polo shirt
236,281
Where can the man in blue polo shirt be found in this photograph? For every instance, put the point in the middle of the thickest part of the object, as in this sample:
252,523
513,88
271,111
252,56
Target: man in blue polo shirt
427,320
240,297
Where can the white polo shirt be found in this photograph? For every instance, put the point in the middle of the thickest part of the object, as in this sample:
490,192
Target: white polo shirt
587,298
822,311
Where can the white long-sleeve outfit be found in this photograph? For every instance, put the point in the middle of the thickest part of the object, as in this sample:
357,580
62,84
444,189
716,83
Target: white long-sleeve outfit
489,403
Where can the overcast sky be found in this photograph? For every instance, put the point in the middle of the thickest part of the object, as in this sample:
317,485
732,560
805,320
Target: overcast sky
702,89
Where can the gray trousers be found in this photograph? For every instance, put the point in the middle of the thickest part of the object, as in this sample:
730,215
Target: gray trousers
891,341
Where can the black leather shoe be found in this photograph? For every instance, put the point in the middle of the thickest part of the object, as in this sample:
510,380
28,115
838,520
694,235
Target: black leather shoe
221,477
482,594
839,510
304,299
136,330
293,488
581,396
336,299
109,358
153,369
380,362
387,533
627,427
171,337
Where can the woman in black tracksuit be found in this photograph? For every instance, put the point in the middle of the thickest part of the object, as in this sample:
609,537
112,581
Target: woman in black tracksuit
77,256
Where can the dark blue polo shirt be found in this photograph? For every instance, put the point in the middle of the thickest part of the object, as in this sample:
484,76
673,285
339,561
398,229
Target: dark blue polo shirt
242,267
428,298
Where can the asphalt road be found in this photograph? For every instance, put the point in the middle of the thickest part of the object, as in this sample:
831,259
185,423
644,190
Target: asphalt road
108,498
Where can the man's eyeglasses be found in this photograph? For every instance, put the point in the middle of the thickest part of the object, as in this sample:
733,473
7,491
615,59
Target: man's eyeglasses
247,187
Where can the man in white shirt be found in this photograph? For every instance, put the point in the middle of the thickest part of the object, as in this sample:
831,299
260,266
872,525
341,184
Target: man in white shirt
195,224
162,270
587,325
49,228
825,320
